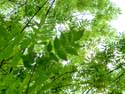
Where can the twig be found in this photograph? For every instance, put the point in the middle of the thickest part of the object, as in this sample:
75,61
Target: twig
119,77
49,8
33,16
47,12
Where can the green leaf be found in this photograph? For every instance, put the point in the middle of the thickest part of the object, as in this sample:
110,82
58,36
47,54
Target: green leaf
49,47
61,53
28,59
7,52
16,60
53,57
64,39
71,50
77,35
57,43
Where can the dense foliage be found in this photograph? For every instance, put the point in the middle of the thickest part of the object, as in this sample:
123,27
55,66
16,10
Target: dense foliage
60,47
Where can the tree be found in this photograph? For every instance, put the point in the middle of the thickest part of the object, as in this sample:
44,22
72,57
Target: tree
46,49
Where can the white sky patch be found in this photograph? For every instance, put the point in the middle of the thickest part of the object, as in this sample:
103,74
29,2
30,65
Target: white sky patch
65,62
102,45
110,66
60,28
119,22
89,54
7,13
83,16
80,17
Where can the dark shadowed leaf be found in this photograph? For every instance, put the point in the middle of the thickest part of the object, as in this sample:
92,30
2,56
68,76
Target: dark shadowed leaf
61,53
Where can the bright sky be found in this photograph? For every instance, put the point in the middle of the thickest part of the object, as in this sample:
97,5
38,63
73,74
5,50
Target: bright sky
119,23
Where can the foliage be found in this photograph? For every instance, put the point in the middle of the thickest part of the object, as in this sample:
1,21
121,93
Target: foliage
46,49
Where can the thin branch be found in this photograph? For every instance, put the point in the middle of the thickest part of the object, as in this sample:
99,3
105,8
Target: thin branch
118,67
119,76
49,8
47,12
114,69
33,16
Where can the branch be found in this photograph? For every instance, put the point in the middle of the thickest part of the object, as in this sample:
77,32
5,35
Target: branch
118,67
49,8
33,16
119,76
47,12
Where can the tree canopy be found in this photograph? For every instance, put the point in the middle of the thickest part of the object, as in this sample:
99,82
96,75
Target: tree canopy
60,47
